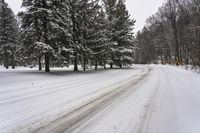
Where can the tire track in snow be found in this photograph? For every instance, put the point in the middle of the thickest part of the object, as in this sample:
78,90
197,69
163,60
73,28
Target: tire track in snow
60,91
158,105
49,106
127,114
94,103
149,109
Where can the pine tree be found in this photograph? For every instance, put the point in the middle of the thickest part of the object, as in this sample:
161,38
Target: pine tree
74,14
87,15
110,10
120,34
77,31
124,48
93,37
81,15
100,42
8,35
44,28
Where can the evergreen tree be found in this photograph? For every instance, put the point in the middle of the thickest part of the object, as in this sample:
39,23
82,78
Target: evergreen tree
93,37
76,31
100,44
120,28
43,28
110,10
8,35
87,19
82,15
75,19
124,48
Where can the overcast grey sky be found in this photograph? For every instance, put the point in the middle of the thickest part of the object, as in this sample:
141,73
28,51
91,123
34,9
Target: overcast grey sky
139,9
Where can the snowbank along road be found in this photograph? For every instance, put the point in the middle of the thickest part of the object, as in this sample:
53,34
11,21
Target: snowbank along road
142,99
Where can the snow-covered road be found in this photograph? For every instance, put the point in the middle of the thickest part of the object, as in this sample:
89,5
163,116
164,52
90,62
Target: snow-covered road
145,99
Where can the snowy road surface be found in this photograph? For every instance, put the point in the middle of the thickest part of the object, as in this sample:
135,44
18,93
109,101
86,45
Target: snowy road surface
144,99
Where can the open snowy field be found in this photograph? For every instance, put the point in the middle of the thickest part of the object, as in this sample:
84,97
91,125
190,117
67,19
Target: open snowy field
141,99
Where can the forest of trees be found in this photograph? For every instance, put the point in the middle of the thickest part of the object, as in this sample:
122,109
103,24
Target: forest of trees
172,35
57,33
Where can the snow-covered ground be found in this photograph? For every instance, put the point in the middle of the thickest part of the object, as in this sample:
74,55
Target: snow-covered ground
144,99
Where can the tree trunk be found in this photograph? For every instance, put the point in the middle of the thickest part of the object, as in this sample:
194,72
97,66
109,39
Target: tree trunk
39,63
111,65
47,56
105,65
120,65
96,65
175,31
47,59
75,62
6,62
84,63
12,61
13,64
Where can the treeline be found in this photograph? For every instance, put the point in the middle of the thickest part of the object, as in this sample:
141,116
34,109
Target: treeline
172,35
64,32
